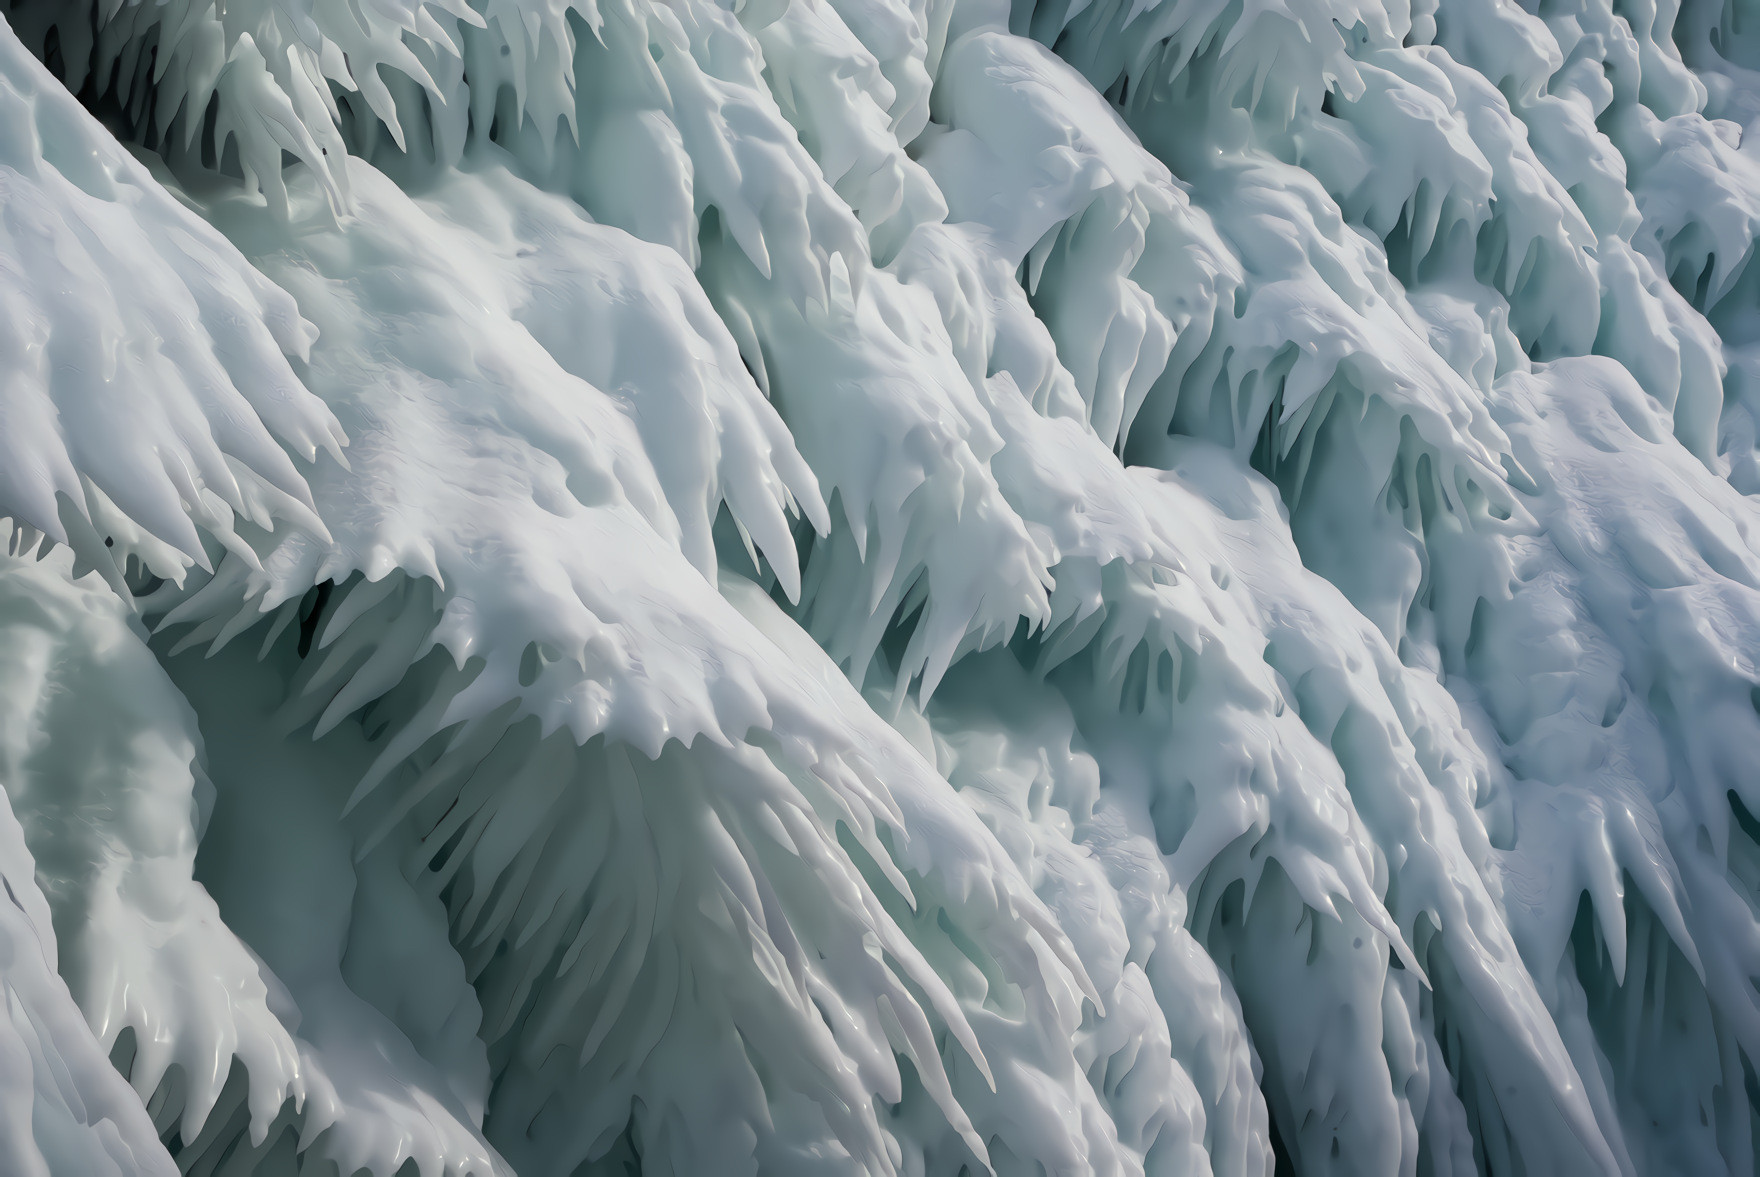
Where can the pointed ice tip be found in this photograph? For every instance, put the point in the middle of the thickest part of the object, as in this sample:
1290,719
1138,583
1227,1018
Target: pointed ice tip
1410,960
362,788
788,574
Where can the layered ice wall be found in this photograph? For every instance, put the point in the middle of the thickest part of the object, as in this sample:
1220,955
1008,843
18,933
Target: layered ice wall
879,586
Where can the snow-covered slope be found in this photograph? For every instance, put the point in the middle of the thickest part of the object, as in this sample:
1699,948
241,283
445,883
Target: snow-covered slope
879,586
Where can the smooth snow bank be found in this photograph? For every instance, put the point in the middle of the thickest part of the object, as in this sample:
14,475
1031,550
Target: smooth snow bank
1054,588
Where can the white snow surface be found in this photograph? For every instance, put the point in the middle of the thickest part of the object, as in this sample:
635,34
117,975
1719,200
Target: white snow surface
901,587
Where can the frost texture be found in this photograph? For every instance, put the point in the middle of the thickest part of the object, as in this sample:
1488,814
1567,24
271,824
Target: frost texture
879,586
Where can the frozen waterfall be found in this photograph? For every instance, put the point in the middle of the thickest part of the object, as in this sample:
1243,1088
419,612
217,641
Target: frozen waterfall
1035,588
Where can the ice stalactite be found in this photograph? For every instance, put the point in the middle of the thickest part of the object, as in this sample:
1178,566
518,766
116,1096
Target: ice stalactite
879,586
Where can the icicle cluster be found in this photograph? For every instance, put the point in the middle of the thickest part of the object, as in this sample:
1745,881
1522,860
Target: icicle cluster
879,586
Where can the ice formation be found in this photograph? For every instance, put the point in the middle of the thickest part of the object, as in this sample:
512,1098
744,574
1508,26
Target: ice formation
913,587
